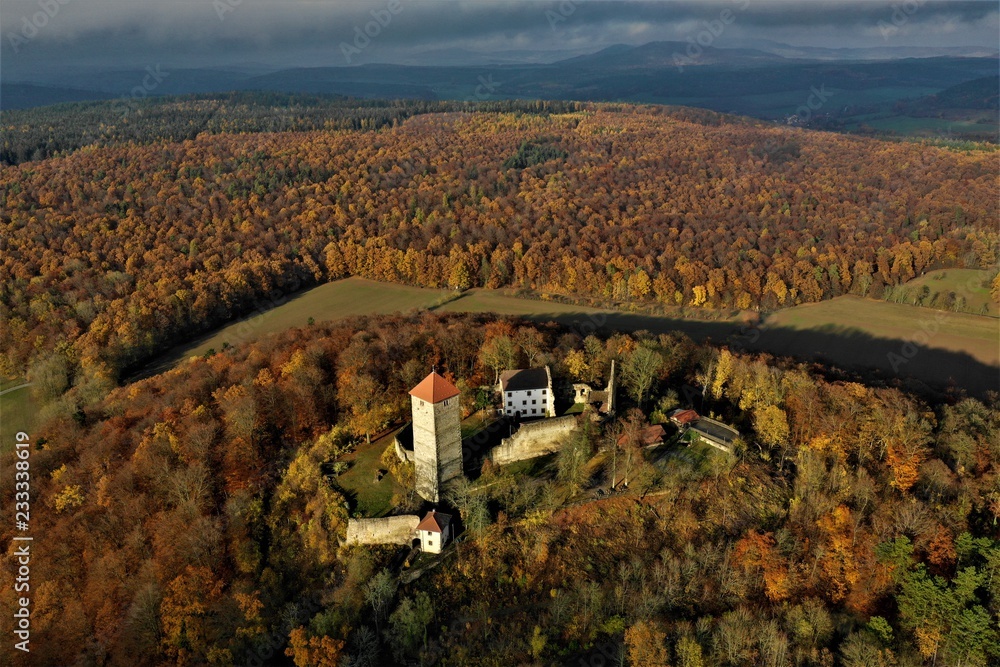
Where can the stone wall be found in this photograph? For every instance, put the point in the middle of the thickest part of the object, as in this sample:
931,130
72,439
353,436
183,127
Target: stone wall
612,389
405,455
533,439
403,440
400,529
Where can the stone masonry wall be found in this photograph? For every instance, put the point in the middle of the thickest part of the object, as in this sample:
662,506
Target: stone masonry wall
534,439
388,530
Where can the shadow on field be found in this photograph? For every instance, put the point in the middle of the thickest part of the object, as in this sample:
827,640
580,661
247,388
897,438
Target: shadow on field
885,360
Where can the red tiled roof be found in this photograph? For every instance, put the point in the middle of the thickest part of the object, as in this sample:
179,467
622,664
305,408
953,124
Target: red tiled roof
684,416
647,436
434,522
434,389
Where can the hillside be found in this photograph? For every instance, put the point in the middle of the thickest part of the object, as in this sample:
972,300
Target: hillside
981,93
192,518
112,252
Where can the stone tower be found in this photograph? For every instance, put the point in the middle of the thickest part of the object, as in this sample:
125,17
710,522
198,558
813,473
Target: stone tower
437,434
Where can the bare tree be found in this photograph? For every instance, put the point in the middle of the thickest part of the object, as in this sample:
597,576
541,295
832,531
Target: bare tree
379,592
639,372
532,343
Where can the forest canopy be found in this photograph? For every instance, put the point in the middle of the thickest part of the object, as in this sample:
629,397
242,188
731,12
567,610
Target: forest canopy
116,248
190,519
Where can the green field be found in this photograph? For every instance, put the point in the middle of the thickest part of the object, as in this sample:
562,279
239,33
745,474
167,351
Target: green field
959,332
847,331
931,127
343,298
861,333
16,412
583,319
969,285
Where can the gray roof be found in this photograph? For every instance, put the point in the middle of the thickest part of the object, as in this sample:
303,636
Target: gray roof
715,430
526,378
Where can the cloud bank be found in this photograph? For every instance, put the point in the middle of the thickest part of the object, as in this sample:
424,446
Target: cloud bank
49,35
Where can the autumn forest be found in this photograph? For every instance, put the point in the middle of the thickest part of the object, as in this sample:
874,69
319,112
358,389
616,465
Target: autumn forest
112,250
853,526
196,517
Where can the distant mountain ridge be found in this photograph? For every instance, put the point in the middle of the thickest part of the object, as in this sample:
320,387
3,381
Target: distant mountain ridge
782,84
671,54
868,53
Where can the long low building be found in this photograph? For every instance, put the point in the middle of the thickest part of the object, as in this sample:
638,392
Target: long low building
717,434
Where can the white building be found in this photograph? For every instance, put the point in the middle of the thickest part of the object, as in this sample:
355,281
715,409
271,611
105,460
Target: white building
434,532
527,393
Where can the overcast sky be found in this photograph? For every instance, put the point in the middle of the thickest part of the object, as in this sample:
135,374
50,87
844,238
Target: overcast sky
283,33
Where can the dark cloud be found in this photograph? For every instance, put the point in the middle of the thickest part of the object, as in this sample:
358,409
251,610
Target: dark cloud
211,33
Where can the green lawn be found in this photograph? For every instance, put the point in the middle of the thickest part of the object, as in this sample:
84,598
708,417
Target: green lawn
970,284
909,125
330,301
474,423
370,498
582,318
847,331
16,414
8,383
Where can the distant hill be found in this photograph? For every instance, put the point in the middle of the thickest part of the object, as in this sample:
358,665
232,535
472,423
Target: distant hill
26,95
983,93
383,81
867,53
667,55
749,81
